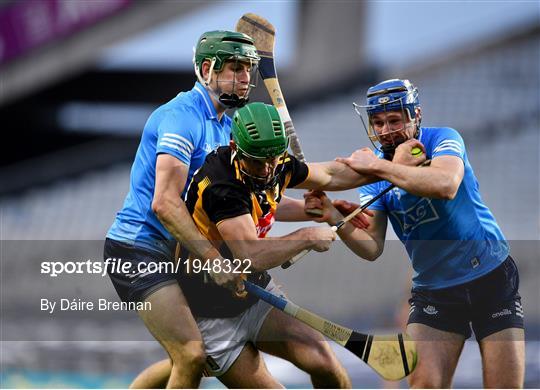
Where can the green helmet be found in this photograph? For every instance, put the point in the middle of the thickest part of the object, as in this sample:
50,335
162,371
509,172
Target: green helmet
258,131
218,46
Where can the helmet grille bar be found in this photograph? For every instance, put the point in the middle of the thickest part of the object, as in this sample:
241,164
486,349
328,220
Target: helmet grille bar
277,128
252,130
239,40
387,90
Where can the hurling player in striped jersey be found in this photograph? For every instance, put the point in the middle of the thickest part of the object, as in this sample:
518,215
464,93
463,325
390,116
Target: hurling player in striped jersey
234,199
463,274
174,143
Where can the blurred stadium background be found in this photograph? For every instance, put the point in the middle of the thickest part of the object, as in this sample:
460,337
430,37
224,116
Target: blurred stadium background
79,78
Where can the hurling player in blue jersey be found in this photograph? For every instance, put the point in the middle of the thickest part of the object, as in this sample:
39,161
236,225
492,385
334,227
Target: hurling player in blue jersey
175,141
463,273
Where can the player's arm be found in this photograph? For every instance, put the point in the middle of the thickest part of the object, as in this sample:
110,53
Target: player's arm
291,210
265,253
441,179
170,209
334,176
367,243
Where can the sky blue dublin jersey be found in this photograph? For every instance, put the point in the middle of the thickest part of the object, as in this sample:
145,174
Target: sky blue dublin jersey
187,127
449,242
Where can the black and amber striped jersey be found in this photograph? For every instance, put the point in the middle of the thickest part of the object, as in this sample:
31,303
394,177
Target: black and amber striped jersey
218,192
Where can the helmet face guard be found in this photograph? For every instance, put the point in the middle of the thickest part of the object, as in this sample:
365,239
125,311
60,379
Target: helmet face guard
260,138
400,98
220,47
260,183
233,99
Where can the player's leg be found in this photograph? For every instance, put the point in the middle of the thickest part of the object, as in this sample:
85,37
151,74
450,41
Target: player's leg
290,339
438,355
249,372
231,354
170,321
285,337
155,376
439,324
503,359
498,325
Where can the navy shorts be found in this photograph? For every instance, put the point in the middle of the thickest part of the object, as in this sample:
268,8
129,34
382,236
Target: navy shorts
490,304
136,282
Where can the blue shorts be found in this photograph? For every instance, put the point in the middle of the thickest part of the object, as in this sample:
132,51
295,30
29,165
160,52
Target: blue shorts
490,304
131,284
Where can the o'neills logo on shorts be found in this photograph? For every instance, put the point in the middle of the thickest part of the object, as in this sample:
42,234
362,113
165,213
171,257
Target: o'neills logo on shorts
430,310
504,312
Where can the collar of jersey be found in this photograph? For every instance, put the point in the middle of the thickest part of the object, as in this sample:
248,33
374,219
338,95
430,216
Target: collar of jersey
209,108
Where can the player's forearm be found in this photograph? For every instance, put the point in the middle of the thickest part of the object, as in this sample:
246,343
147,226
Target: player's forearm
431,182
270,252
357,240
360,242
338,176
174,215
291,210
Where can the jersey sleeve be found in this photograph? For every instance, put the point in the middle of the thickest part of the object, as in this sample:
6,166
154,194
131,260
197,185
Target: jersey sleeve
448,142
368,192
223,200
179,133
299,171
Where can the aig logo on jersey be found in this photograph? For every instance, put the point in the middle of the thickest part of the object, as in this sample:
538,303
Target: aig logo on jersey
422,212
208,148
397,193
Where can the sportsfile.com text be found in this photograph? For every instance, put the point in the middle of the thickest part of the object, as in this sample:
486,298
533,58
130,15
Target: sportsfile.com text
56,268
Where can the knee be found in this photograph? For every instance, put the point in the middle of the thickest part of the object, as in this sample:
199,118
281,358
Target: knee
322,360
427,382
325,370
190,354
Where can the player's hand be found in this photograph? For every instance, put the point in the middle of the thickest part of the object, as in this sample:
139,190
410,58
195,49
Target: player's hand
361,160
228,280
320,238
404,156
334,211
240,289
360,221
318,199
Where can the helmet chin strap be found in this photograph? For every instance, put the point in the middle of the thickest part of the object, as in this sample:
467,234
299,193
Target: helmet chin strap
226,100
232,100
260,184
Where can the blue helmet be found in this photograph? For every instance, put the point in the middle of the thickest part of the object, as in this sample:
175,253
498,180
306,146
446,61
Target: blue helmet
392,95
